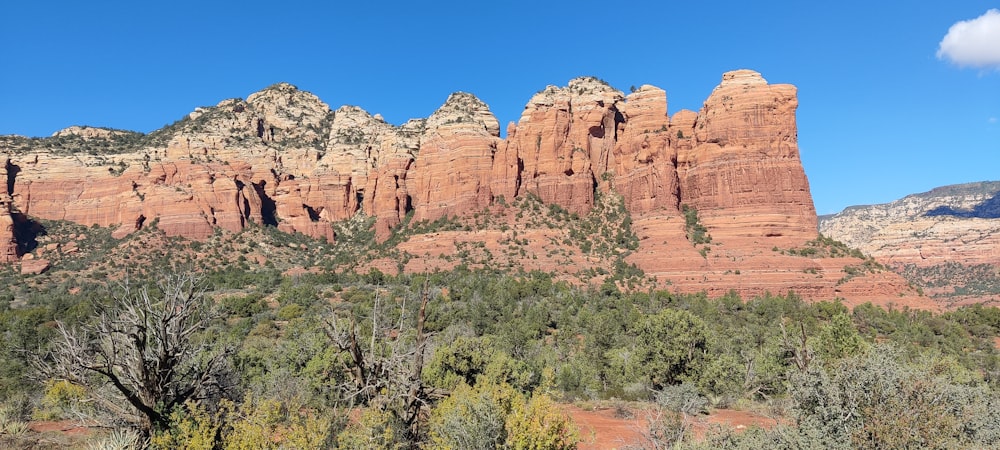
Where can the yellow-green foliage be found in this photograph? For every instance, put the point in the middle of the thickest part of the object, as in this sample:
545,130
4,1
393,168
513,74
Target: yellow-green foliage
306,432
192,428
839,339
540,425
473,418
490,416
60,398
263,423
252,425
375,429
474,360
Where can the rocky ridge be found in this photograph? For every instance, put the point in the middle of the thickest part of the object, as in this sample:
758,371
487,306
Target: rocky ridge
282,157
934,227
947,240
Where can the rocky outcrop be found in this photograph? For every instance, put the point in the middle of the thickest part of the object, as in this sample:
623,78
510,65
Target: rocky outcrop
283,157
644,163
565,136
452,174
387,198
88,133
187,199
34,266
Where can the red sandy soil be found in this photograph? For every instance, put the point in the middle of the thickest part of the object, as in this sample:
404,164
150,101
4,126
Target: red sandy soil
68,427
601,430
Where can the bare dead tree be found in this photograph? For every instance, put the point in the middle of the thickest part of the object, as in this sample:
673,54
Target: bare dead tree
385,371
799,349
139,358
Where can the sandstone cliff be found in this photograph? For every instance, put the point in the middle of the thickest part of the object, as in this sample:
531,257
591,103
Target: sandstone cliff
282,157
743,169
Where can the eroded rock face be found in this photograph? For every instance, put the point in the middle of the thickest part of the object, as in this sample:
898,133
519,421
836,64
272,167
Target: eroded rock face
387,197
8,243
565,136
283,157
644,166
452,174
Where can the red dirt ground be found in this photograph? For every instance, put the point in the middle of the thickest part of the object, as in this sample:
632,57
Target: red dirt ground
601,430
65,427
70,427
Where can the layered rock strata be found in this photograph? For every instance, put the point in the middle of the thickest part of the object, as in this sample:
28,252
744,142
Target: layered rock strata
743,169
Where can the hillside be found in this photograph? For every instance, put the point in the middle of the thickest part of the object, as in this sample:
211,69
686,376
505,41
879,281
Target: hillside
714,200
946,240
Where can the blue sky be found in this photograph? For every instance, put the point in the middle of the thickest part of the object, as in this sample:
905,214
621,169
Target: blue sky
882,111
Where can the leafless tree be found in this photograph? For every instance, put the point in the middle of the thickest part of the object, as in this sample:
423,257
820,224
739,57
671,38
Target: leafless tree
140,357
799,349
385,371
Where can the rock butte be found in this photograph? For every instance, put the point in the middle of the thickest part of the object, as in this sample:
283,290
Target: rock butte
282,157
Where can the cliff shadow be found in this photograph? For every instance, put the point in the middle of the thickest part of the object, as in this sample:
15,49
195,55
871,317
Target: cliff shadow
26,232
989,209
268,209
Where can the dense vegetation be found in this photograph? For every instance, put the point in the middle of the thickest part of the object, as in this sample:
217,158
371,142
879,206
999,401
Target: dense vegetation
498,350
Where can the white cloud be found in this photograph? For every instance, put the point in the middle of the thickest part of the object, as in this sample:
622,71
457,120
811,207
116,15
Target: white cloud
992,120
973,43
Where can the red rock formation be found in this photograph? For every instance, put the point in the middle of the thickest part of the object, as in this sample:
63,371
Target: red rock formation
386,196
34,266
8,242
188,199
505,178
192,199
452,174
283,157
565,137
645,165
744,162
